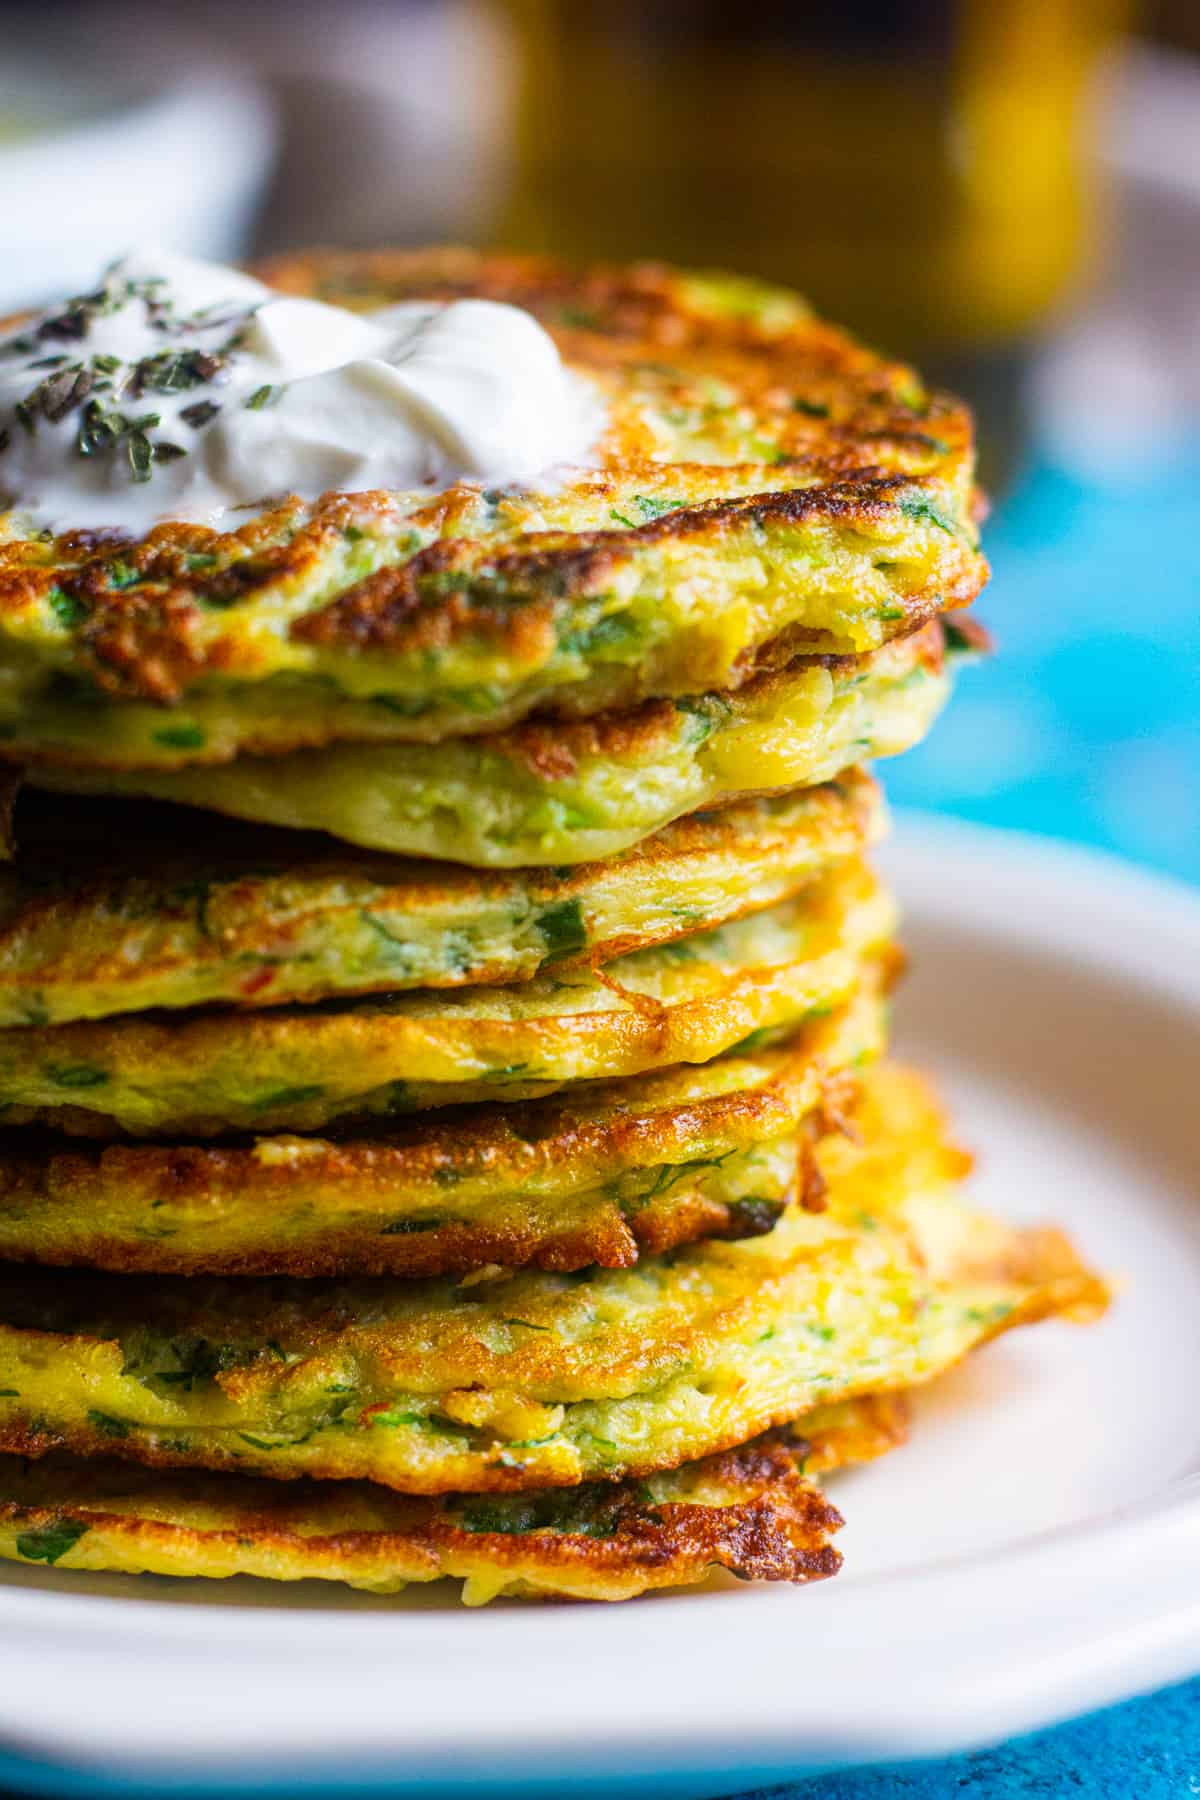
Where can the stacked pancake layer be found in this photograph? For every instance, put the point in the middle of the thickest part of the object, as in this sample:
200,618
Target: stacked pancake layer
443,991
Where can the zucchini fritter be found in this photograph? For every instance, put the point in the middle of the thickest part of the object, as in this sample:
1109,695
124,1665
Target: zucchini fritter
600,1174
751,1510
513,1380
299,1068
764,483
580,791
254,917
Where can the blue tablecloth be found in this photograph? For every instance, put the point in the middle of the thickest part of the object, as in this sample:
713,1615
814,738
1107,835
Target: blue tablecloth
1145,1750
1086,723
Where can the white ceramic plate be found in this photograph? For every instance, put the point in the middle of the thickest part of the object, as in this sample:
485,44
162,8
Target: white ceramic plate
1033,1553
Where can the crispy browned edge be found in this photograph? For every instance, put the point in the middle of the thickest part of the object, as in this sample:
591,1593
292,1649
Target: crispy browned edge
137,641
606,1238
68,841
1060,1286
778,1528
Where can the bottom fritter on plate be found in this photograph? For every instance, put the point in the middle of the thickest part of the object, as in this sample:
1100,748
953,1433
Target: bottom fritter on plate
752,1510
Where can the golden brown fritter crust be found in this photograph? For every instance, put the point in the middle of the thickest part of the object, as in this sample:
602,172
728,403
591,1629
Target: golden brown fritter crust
765,485
376,1056
516,1380
118,906
628,1169
751,1510
583,791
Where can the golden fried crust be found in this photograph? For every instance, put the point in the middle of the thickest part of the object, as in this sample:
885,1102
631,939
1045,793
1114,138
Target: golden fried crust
635,1168
555,751
388,610
593,1229
750,1510
516,1380
764,482
584,790
256,917
302,1068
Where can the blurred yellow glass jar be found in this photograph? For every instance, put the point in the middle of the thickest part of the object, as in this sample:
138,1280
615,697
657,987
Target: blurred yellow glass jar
917,167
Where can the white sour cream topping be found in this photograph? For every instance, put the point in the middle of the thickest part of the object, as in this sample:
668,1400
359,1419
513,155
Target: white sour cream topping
184,390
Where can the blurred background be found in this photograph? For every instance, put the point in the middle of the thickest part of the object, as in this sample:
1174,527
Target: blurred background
1006,190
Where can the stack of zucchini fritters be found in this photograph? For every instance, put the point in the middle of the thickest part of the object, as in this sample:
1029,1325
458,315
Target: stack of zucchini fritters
443,989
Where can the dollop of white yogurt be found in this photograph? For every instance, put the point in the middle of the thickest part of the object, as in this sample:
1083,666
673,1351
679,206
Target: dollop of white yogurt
181,389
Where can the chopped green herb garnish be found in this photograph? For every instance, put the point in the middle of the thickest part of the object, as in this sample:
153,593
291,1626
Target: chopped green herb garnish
200,1361
107,1426
68,609
988,1315
709,712
672,1173
141,455
200,413
924,510
563,928
181,737
290,1096
619,631
99,430
76,1075
590,1511
50,1542
389,937
390,1418
648,507
174,371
